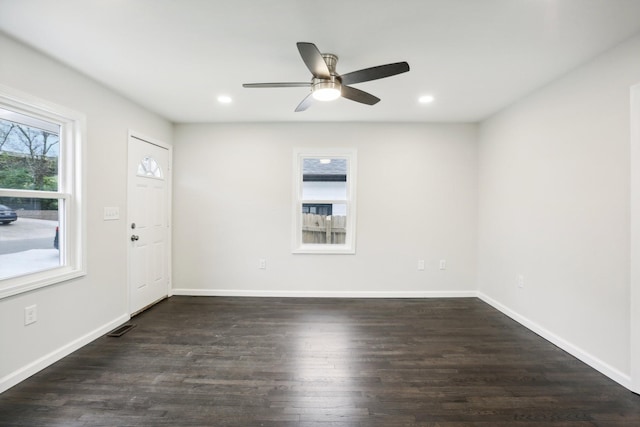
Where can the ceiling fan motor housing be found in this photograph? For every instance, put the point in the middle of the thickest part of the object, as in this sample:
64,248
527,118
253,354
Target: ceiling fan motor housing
327,89
331,60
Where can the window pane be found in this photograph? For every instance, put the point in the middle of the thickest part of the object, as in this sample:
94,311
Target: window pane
324,229
29,239
28,153
324,179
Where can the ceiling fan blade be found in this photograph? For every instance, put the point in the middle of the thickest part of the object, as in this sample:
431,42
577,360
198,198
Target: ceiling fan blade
286,84
359,95
306,103
374,73
313,60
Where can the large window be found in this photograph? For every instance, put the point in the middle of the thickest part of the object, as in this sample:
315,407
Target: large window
41,231
324,201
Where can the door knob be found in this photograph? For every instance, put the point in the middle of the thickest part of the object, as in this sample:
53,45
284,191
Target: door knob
134,237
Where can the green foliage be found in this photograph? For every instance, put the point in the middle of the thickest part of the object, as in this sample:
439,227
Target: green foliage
16,173
15,179
50,183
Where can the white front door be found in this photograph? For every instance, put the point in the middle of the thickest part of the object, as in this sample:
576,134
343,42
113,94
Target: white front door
148,223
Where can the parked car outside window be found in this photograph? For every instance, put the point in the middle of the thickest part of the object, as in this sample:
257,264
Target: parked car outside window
7,215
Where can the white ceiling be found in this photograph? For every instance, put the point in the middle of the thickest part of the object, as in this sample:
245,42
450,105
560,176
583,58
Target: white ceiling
175,57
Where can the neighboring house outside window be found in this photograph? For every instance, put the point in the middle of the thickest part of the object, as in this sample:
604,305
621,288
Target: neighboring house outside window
41,232
317,208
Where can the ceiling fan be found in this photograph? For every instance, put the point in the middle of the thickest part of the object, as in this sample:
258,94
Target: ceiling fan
327,85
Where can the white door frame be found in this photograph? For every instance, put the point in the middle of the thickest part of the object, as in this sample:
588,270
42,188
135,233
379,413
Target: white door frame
169,187
634,273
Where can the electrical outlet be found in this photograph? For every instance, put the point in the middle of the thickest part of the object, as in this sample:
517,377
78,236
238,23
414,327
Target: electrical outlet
520,281
262,264
420,264
443,264
30,314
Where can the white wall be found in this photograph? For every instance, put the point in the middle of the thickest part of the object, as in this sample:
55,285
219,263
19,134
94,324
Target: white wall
73,312
554,207
232,206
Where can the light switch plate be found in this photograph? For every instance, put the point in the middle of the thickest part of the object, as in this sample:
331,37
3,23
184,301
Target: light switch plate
111,213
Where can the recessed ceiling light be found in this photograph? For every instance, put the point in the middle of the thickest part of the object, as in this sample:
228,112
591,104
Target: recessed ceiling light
224,99
426,99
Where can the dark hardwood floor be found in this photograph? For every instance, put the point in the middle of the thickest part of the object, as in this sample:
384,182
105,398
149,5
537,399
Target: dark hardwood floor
206,361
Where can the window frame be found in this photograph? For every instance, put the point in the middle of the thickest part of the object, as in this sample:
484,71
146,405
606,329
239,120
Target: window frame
299,154
70,191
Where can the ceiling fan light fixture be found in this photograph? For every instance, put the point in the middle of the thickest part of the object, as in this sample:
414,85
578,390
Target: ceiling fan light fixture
326,91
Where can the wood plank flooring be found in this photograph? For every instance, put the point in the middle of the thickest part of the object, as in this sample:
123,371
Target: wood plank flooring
204,361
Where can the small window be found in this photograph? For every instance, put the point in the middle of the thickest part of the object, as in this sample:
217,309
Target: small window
41,238
324,201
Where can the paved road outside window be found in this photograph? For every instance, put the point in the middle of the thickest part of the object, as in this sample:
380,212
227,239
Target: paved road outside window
26,245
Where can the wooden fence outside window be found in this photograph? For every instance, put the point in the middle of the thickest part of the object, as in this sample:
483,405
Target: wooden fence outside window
321,229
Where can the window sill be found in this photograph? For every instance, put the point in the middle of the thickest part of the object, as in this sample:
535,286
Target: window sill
325,250
17,285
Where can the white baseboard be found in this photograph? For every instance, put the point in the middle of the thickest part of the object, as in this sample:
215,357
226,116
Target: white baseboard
597,364
32,368
324,294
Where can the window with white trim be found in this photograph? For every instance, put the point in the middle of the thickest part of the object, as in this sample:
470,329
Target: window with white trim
324,201
41,212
